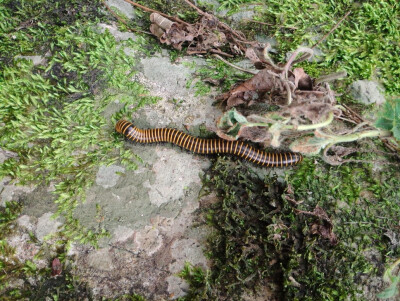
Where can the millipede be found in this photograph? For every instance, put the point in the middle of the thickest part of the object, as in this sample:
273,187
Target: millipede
207,146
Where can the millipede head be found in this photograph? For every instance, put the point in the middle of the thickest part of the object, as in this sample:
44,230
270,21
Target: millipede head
122,125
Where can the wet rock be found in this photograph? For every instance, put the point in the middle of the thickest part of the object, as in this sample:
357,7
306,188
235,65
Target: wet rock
107,176
148,241
36,59
170,77
367,92
101,259
118,35
47,225
181,169
123,7
122,233
10,191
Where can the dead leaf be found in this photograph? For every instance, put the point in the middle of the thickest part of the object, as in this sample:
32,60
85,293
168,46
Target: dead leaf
255,134
206,35
313,111
253,89
302,80
309,145
323,226
56,267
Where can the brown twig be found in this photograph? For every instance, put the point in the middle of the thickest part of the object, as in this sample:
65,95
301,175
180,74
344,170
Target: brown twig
176,19
199,11
270,24
332,29
220,52
123,21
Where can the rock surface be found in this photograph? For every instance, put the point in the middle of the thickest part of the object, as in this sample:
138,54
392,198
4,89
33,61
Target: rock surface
367,92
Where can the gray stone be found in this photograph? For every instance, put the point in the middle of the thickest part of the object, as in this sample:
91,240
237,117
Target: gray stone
122,233
5,154
107,175
367,92
245,13
101,260
46,225
186,250
172,187
123,6
10,191
24,221
118,35
36,59
148,241
177,287
171,77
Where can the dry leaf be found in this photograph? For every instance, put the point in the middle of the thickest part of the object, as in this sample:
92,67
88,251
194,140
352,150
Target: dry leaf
56,267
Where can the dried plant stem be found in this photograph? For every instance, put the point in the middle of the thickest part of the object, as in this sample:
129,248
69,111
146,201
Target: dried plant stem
232,65
156,11
199,11
330,77
303,127
356,136
123,21
333,28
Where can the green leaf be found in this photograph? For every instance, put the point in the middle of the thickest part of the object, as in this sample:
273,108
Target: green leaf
383,123
396,131
389,117
230,118
390,291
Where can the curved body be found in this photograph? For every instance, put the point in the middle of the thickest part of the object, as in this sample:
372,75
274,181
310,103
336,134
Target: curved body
207,146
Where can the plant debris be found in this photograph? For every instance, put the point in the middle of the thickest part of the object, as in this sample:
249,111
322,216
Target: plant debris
323,226
206,35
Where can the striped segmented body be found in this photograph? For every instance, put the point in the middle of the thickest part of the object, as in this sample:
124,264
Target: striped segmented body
207,146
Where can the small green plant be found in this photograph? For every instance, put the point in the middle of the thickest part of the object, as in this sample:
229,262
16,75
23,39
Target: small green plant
215,73
393,279
198,279
389,118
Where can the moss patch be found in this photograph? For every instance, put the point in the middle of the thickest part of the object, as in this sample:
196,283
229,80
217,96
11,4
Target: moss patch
261,233
52,114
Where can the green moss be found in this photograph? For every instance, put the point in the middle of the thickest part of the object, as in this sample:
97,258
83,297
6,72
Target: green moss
53,114
217,72
259,235
53,117
363,45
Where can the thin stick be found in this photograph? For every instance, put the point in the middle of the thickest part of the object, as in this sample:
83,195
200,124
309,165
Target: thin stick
123,21
333,28
270,24
195,7
232,65
156,11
